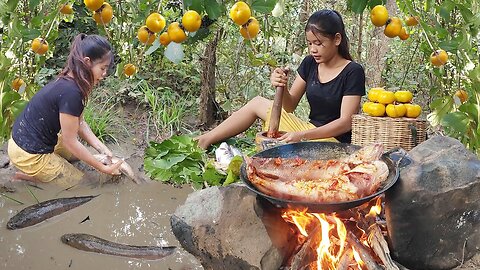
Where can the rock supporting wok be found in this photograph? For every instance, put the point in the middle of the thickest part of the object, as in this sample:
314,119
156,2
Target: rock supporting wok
433,212
227,228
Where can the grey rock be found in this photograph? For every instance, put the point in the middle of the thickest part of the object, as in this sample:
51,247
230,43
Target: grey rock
433,212
227,228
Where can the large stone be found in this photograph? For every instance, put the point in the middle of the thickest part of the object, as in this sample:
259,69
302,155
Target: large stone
433,212
229,228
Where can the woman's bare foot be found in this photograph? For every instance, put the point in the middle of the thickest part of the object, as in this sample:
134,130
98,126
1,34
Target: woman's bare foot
22,176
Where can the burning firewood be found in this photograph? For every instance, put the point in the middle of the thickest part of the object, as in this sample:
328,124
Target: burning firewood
377,242
304,256
368,260
346,259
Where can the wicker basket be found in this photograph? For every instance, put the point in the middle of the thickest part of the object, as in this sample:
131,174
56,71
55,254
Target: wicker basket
392,132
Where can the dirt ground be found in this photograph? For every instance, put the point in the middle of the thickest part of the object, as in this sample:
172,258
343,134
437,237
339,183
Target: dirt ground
124,212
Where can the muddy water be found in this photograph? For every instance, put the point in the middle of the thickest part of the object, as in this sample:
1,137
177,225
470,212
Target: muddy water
125,213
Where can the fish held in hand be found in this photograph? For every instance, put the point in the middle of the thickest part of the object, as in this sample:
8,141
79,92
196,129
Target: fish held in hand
41,211
125,168
96,244
320,181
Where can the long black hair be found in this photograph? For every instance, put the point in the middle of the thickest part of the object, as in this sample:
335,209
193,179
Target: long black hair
327,22
94,47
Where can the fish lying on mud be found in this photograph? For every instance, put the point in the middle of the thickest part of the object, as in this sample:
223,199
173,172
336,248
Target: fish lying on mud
355,176
92,243
39,212
125,168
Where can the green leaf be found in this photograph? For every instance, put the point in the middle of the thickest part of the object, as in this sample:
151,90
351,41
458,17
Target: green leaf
231,178
29,33
263,6
449,45
17,107
372,3
12,4
466,13
213,9
199,35
33,4
358,6
440,107
458,121
212,176
472,110
235,165
446,9
8,98
197,5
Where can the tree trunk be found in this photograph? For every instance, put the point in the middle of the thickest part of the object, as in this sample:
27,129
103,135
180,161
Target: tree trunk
377,49
208,106
304,13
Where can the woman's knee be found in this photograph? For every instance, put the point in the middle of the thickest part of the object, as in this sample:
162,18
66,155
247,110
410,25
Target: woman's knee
260,101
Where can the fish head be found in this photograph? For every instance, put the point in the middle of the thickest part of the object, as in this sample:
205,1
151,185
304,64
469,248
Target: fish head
367,153
67,238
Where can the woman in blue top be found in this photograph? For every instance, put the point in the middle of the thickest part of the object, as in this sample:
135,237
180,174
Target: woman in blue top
333,83
35,148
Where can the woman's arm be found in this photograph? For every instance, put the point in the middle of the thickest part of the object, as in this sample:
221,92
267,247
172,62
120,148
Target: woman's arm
350,106
70,126
86,133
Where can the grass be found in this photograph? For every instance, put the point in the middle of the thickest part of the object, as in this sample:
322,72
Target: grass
167,108
101,117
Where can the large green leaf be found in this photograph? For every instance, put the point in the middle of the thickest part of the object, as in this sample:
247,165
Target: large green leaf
8,98
449,45
357,6
197,5
17,107
30,33
458,121
33,4
213,9
445,9
199,35
440,107
263,6
12,4
472,110
372,3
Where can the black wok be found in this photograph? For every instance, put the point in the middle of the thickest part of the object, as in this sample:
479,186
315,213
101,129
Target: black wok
320,150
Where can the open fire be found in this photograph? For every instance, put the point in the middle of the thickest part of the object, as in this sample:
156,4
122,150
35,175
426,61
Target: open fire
351,239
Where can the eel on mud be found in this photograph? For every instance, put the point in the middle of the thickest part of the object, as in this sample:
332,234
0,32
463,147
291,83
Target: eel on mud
39,212
92,243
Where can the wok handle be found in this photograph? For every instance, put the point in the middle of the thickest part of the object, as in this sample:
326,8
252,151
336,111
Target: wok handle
399,156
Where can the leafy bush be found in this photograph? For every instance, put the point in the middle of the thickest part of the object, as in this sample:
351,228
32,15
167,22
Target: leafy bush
179,160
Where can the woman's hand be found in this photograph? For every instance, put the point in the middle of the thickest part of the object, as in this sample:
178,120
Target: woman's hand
290,137
279,77
112,169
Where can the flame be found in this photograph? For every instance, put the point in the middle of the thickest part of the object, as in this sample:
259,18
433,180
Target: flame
359,260
376,209
330,236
